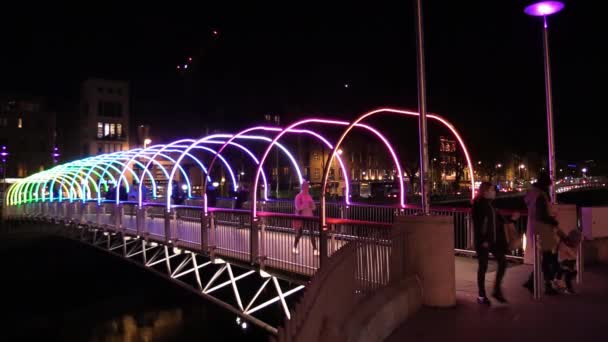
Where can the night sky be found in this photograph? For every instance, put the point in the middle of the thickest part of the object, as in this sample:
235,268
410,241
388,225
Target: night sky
484,64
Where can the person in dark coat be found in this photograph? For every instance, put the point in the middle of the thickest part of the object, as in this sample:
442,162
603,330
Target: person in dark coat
111,194
123,194
211,195
177,194
489,238
241,197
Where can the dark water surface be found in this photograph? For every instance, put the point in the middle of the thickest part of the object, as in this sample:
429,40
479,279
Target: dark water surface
55,289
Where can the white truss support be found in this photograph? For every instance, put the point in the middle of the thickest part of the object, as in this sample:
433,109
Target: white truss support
198,276
257,294
282,297
236,288
154,257
121,245
215,276
181,266
195,268
144,250
274,300
133,249
167,259
231,281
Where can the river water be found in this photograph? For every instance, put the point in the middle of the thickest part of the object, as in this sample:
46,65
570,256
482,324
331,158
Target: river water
55,289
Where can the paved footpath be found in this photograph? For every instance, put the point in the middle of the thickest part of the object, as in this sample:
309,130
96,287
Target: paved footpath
574,318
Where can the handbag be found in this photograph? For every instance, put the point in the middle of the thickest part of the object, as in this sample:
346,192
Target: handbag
514,240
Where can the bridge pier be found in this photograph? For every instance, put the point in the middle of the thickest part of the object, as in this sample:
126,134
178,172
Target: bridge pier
429,254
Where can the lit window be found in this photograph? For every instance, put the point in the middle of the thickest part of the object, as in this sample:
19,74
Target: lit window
19,123
119,130
274,171
106,129
317,173
285,170
99,130
112,130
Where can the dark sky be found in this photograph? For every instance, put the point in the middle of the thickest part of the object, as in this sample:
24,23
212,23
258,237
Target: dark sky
484,64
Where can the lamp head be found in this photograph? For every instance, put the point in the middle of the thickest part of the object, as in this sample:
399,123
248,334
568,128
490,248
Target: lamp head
544,8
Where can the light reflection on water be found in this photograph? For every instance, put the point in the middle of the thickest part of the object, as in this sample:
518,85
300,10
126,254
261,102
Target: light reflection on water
147,326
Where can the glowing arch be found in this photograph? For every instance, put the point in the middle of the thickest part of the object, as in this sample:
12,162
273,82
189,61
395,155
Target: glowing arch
330,161
400,112
273,143
218,155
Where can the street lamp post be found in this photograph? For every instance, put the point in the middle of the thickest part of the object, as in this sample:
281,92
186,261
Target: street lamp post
422,127
545,9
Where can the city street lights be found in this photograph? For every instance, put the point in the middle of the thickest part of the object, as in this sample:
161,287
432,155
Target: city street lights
521,167
584,172
545,9
147,142
55,155
3,155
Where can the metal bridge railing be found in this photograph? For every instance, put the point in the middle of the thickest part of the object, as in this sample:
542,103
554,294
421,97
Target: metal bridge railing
230,233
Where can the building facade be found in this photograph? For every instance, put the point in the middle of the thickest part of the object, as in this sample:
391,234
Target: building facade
104,117
27,134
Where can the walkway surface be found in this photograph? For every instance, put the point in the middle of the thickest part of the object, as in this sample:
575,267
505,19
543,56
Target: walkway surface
583,316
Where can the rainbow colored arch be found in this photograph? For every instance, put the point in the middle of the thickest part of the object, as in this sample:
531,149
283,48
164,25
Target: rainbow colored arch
87,179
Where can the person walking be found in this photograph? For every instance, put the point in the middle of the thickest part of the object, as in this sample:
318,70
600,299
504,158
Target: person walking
304,206
489,238
542,222
134,192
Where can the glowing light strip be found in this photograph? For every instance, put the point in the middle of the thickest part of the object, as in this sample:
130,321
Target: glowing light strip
162,148
177,163
267,151
253,157
272,129
395,111
343,123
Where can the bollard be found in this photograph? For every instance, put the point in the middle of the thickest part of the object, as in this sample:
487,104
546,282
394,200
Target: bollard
538,277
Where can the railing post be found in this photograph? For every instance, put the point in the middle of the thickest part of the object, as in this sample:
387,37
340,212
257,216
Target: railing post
83,208
323,255
117,216
98,208
538,277
253,240
262,251
470,233
205,222
168,215
140,220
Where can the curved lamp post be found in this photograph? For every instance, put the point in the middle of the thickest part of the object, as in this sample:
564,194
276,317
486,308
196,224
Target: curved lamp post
545,9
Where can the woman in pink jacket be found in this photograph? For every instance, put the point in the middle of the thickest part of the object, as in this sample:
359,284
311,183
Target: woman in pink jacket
305,206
